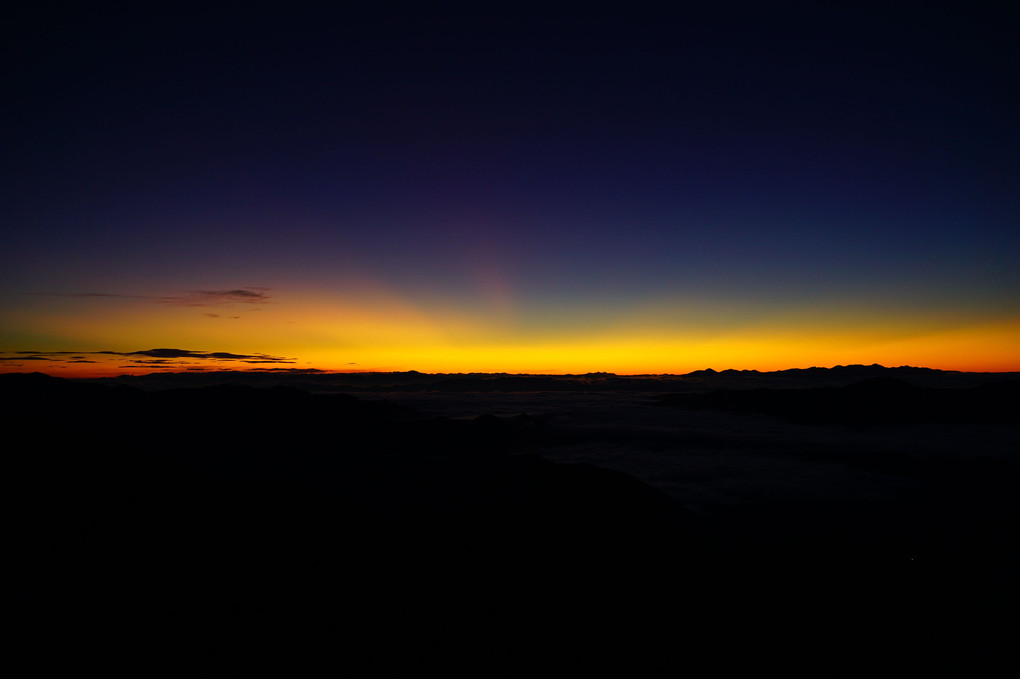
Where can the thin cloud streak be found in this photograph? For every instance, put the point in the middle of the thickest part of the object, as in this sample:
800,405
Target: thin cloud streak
201,355
159,357
195,298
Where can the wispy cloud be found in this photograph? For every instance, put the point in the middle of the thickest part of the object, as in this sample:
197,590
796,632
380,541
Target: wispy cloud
40,353
242,295
195,298
201,355
161,357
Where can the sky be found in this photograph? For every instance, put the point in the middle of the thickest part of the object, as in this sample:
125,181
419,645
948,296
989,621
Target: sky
525,190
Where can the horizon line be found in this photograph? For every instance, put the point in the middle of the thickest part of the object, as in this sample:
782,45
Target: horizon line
326,372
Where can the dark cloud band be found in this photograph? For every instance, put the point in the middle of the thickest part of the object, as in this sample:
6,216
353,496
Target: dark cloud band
161,356
197,298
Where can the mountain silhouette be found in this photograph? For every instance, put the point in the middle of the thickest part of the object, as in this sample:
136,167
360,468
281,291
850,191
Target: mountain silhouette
274,525
874,401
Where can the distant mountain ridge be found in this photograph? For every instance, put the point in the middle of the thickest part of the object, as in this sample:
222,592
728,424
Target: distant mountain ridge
852,370
699,380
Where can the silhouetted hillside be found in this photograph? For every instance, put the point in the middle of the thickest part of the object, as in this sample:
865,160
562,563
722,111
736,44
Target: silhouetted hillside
874,401
270,523
225,512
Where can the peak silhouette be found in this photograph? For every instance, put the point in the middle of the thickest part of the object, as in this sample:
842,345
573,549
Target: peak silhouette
223,515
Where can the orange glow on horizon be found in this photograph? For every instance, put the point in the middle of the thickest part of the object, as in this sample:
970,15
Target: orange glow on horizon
385,332
963,351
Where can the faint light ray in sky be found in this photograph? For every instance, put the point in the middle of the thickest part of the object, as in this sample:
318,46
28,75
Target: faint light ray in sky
375,325
738,197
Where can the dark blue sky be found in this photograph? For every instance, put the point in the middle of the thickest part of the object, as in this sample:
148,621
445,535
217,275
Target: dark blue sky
552,168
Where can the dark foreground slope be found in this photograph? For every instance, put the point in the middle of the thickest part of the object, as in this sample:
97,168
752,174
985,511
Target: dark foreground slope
270,525
271,522
870,402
